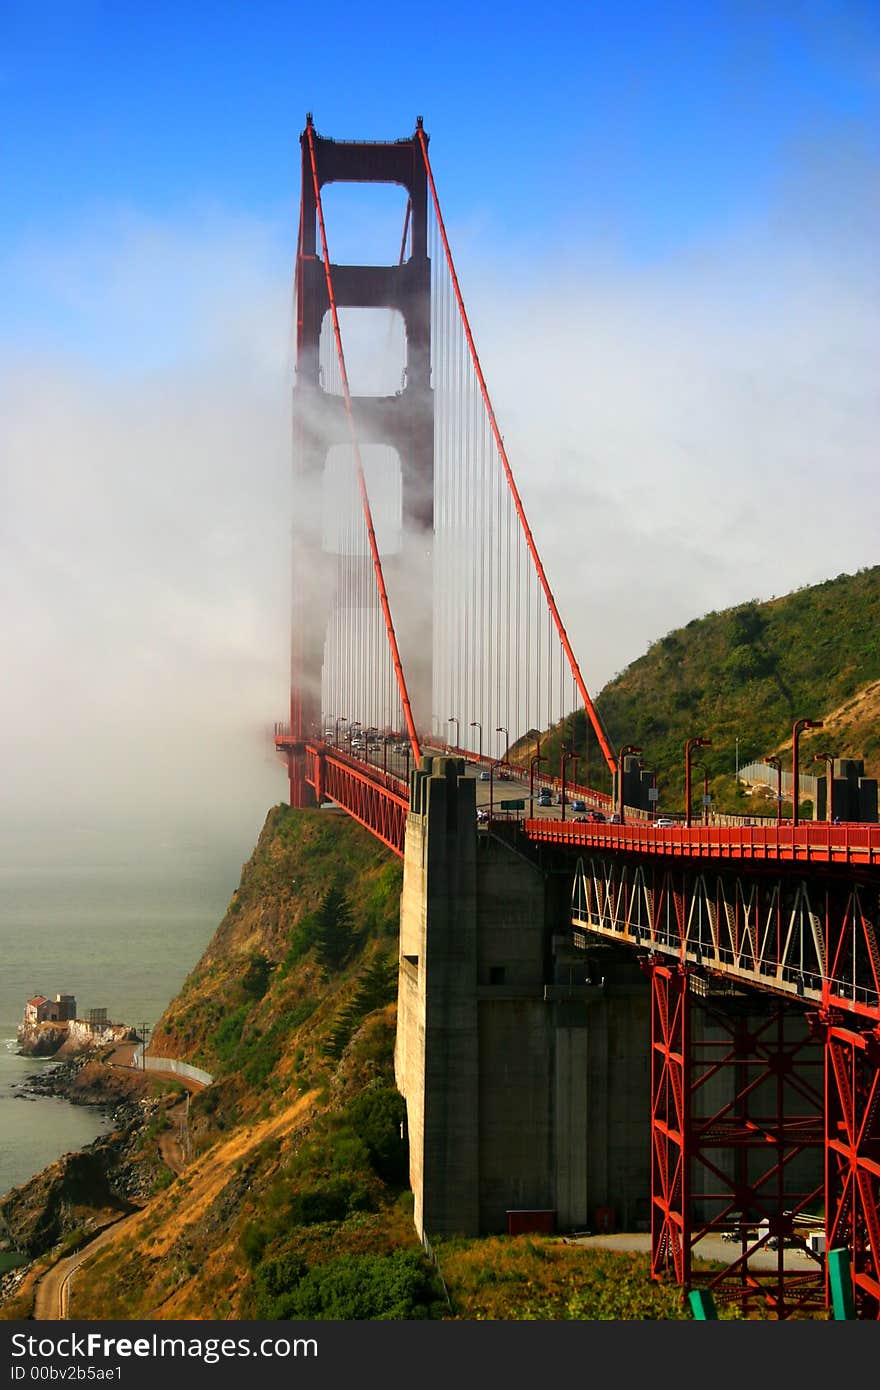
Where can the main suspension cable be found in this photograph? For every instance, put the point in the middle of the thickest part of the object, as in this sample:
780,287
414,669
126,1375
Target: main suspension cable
502,453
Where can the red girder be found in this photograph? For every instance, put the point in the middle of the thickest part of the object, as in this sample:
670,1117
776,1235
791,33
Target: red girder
817,843
852,1157
670,1250
788,932
758,1062
376,799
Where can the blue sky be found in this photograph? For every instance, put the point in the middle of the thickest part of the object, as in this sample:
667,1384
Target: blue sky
664,218
640,125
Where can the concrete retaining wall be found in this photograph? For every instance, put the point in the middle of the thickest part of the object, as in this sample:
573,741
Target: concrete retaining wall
171,1064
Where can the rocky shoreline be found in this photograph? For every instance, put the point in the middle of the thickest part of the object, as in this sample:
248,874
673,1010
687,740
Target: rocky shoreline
80,1191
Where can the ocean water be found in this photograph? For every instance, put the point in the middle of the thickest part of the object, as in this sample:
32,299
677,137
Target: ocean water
118,937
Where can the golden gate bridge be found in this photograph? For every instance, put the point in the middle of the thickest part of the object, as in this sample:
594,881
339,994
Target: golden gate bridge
418,588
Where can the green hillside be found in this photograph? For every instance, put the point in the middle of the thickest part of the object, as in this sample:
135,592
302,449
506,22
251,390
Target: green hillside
295,1202
746,673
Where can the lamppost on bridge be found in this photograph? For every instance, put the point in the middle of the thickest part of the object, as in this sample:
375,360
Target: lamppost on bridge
341,720
501,730
492,766
796,731
475,724
567,757
351,729
453,720
705,772
626,749
772,761
689,746
534,762
828,760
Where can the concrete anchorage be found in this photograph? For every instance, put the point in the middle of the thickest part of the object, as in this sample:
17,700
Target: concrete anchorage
524,1071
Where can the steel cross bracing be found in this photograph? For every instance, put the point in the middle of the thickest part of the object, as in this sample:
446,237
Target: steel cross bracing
736,1100
805,935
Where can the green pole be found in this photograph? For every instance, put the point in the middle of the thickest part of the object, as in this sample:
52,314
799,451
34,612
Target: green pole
702,1305
841,1285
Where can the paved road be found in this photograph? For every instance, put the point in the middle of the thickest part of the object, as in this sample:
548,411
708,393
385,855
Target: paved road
709,1248
52,1291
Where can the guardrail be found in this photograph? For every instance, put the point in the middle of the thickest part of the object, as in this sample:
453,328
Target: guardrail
170,1064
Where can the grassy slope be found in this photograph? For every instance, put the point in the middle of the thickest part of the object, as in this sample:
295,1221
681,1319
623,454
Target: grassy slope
748,673
296,1201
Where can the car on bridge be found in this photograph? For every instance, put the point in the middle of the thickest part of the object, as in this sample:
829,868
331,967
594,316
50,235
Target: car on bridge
579,804
545,799
664,822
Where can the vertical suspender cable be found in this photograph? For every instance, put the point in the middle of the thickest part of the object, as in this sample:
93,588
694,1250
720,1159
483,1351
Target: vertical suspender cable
563,636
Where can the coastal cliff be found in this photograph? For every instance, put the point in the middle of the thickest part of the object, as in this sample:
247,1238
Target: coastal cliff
297,1161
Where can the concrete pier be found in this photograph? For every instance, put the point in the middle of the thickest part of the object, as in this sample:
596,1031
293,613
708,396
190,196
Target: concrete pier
523,1061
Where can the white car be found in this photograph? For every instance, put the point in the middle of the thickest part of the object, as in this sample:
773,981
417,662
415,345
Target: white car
664,822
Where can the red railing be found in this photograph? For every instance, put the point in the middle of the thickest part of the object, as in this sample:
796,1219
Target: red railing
813,843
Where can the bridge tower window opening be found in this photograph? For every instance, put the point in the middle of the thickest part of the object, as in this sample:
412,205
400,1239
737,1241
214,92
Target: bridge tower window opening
366,223
375,352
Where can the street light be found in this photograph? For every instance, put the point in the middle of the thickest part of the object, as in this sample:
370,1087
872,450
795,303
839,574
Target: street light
627,748
828,760
705,790
501,730
534,761
796,730
567,757
452,720
691,743
343,719
475,724
492,767
773,761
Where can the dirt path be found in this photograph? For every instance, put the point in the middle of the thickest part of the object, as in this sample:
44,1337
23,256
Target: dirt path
174,1142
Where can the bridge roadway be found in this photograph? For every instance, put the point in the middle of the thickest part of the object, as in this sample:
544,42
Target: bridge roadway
698,894
807,842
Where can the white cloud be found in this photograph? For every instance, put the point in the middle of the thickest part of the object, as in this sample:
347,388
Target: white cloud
685,435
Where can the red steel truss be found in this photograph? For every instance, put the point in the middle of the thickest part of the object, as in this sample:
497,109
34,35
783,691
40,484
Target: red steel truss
816,842
670,1159
801,941
377,799
852,1155
733,1107
810,932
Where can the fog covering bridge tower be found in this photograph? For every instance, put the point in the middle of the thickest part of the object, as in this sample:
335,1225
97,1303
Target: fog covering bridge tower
403,422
